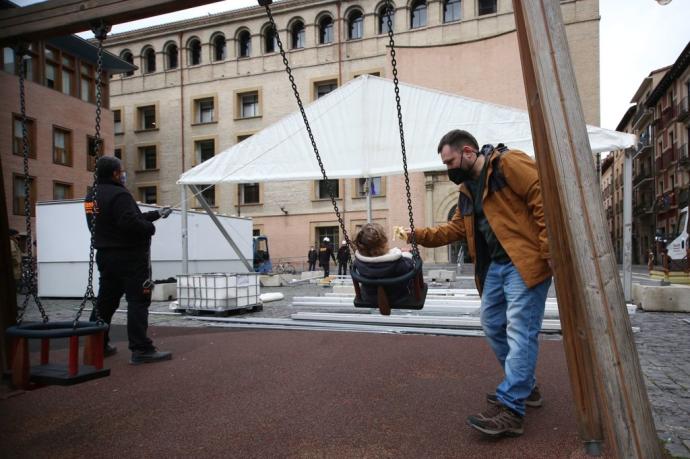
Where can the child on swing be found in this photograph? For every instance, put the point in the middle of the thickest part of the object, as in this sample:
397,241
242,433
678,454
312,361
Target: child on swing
375,260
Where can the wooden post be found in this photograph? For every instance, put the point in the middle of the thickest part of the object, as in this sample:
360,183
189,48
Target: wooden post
602,357
8,290
21,370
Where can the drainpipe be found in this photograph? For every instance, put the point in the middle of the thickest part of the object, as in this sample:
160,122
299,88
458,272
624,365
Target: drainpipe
340,51
179,58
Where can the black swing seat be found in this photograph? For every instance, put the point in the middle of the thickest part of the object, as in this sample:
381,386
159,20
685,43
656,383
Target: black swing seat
387,296
47,373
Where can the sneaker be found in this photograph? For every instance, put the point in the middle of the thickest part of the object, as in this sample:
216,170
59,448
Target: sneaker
109,350
152,356
497,420
534,400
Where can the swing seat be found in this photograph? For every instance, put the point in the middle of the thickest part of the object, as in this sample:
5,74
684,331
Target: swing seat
25,376
386,290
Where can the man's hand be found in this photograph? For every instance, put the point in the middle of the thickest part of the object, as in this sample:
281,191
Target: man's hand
164,212
408,233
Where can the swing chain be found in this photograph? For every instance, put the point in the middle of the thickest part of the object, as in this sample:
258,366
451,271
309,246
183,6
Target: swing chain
391,43
100,31
330,187
28,272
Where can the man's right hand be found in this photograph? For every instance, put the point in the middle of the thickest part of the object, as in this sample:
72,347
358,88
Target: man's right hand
408,232
164,212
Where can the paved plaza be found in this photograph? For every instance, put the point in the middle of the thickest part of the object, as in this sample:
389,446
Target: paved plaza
663,343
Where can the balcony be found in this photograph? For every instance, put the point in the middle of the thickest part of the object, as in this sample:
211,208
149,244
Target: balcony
667,114
668,157
682,109
683,197
642,114
666,202
683,159
643,208
643,175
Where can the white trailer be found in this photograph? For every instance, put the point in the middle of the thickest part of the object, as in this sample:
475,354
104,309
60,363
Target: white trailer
62,238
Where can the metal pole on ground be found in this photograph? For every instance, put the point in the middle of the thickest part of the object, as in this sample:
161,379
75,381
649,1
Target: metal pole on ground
185,227
369,200
627,224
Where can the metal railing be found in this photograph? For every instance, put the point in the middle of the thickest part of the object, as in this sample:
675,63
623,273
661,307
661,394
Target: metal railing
682,109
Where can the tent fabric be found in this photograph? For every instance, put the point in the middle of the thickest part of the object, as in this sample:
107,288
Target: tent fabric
356,132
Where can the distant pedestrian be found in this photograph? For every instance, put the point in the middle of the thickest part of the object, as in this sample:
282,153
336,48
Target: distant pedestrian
325,256
311,258
344,258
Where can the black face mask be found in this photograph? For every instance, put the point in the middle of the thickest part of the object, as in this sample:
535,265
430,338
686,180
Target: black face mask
458,175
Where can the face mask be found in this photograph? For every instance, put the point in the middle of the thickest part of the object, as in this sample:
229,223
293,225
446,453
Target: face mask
123,178
458,175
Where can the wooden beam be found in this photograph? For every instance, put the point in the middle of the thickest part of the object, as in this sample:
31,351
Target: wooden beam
63,17
573,323
590,294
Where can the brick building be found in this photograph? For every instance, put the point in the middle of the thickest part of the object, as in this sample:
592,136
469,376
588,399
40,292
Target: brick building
61,114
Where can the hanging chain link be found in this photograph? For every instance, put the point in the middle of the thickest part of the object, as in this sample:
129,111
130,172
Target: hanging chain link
391,43
29,278
330,187
100,31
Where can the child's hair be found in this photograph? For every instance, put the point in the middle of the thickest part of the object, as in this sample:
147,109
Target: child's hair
371,240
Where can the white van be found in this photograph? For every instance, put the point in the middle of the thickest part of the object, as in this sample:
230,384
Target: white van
677,247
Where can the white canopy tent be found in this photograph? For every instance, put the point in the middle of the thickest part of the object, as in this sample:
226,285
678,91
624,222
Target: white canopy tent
356,131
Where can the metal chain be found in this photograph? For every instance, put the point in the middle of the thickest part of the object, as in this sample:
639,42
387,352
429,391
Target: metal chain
391,43
100,30
331,193
28,272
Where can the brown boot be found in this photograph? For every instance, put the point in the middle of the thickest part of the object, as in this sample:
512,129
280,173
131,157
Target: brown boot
534,400
497,420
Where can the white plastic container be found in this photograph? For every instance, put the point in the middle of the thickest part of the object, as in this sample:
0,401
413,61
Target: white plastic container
218,292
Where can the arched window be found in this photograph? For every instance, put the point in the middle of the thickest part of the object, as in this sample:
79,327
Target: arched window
418,14
219,48
126,56
355,25
326,30
297,35
270,40
149,59
245,43
171,59
194,46
383,18
451,10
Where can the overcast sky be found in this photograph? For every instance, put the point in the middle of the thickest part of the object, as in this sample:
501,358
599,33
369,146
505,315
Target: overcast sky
637,36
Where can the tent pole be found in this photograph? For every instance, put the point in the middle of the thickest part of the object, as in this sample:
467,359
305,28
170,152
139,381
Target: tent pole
627,224
185,238
221,228
368,199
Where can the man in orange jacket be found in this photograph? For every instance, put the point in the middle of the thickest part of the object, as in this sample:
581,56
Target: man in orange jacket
500,215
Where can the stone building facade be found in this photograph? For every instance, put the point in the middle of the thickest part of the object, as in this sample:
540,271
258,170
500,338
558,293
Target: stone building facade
661,179
205,84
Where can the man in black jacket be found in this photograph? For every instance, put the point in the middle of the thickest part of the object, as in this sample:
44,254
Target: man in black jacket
325,256
343,259
123,241
311,258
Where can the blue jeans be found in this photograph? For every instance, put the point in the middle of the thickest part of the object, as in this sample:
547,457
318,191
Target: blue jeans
511,316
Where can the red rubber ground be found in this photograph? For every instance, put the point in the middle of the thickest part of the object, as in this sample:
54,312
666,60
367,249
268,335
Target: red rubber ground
260,393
